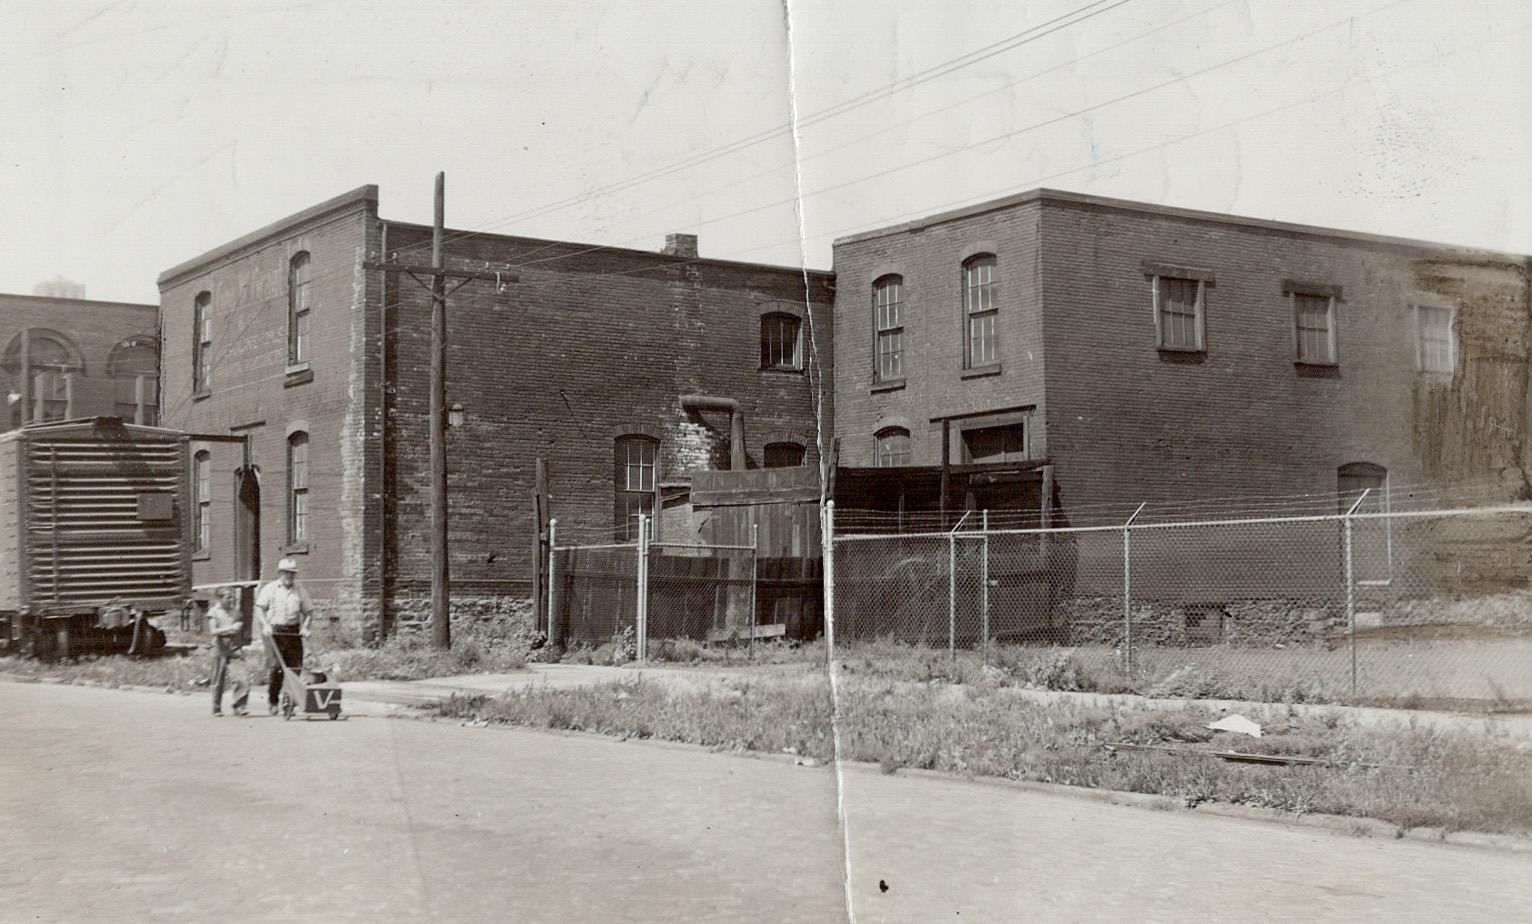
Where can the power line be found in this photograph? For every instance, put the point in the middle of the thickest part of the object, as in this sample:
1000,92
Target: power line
1068,116
886,127
1009,43
1033,183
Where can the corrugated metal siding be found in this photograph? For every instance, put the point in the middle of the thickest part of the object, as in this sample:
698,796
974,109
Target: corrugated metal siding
10,529
86,539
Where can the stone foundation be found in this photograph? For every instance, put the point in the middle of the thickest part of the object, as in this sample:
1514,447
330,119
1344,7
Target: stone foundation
1099,621
489,616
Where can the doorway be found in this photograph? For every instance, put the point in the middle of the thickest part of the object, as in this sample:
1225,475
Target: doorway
247,542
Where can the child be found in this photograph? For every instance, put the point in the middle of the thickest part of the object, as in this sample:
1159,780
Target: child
228,656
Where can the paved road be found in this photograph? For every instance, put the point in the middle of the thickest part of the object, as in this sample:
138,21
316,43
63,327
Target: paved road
119,806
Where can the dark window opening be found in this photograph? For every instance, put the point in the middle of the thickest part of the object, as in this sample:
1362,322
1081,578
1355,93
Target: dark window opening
783,455
995,444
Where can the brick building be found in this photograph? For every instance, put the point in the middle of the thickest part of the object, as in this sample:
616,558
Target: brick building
625,370
86,359
1163,355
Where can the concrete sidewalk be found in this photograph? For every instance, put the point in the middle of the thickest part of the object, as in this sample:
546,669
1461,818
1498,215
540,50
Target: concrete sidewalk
381,697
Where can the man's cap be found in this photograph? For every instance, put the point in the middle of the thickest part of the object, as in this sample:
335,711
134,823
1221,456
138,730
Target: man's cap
287,564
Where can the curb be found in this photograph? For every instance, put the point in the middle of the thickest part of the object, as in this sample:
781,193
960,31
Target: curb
1335,824
1345,825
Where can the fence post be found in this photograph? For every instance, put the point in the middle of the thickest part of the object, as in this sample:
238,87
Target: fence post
1351,588
1127,591
641,633
984,589
952,594
755,553
827,522
553,557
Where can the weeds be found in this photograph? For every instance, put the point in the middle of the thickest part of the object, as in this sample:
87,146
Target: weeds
1453,781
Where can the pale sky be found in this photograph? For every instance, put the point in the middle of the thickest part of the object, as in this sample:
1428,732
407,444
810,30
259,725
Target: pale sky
140,133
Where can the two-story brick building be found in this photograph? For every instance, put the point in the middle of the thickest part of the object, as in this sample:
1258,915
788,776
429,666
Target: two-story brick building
72,357
1163,355
624,370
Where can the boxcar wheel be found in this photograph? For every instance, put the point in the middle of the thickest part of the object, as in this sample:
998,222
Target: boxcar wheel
334,713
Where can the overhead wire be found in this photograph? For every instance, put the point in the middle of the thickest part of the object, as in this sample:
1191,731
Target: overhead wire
1026,36
1095,164
1002,136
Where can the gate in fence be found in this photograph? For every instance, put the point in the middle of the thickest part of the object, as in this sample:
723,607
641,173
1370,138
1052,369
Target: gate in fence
652,591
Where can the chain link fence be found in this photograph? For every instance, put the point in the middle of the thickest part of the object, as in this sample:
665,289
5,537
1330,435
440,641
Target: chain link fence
649,591
1418,605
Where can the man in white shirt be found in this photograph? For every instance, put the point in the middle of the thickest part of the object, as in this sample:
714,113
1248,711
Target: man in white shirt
282,614
228,656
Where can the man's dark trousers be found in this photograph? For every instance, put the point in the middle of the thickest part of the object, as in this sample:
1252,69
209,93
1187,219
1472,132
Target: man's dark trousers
290,644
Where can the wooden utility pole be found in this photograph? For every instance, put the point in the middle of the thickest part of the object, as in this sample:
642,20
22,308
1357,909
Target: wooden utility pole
441,570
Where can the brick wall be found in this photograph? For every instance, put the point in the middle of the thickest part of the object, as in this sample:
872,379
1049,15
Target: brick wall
589,344
1123,423
91,328
930,261
253,391
1128,424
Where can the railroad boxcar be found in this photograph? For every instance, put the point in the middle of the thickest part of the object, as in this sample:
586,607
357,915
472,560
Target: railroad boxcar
93,535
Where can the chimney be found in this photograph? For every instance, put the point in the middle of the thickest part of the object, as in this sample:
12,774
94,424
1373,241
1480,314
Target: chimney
680,245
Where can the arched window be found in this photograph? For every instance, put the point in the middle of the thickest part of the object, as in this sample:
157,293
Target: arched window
202,499
134,368
888,320
893,447
202,343
634,466
51,360
297,488
299,292
783,455
980,312
781,342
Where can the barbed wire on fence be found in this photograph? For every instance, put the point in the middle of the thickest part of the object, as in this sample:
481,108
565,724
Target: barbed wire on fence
1377,605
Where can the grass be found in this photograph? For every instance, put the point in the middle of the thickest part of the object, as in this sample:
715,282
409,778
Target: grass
1417,778
1462,676
402,657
